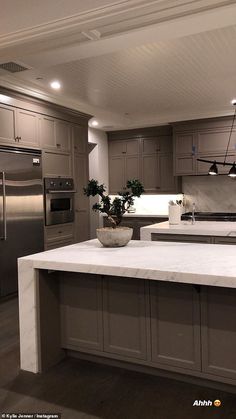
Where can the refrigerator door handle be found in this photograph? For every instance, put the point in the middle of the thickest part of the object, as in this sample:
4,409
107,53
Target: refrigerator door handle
4,237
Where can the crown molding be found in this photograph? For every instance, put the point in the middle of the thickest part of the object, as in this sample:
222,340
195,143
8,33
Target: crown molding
116,18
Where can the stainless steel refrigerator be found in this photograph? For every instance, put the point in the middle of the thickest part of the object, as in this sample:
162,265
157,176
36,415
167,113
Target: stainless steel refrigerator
21,211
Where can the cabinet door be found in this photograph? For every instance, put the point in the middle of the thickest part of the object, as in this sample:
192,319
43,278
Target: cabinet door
215,141
218,314
124,317
150,146
225,240
116,174
132,147
63,135
185,143
167,180
80,139
81,201
81,311
7,124
184,165
27,129
151,173
175,325
131,168
117,148
47,133
57,164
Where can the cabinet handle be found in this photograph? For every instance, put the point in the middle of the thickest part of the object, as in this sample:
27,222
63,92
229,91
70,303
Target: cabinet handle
59,232
16,139
58,145
19,138
123,152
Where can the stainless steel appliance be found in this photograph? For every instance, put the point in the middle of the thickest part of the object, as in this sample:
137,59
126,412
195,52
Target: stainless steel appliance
21,211
59,200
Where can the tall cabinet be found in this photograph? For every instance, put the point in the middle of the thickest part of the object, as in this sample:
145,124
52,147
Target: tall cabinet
62,136
145,154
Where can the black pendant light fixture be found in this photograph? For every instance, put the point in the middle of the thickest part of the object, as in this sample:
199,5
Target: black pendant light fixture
214,169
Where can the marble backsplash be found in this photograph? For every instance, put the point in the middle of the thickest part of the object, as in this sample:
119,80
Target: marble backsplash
210,193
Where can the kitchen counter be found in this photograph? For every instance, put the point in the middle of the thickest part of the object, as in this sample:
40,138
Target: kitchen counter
203,228
137,215
71,298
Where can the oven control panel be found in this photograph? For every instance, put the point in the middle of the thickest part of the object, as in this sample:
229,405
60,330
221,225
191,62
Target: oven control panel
58,184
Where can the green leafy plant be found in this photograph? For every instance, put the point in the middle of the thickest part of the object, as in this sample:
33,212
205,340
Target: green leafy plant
119,206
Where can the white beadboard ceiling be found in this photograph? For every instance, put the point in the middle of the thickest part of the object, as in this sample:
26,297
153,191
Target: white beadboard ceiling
135,80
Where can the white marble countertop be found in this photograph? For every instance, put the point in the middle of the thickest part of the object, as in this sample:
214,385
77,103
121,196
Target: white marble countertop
190,263
202,228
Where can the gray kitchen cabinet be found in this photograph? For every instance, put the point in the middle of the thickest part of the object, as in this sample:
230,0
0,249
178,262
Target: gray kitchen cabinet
55,134
81,177
18,127
121,169
116,174
57,164
151,178
168,182
7,124
27,129
81,312
224,240
185,147
127,147
80,139
124,317
218,314
175,325
184,238
215,140
58,235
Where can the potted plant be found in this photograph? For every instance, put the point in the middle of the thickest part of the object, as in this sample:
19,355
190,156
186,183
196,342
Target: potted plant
114,236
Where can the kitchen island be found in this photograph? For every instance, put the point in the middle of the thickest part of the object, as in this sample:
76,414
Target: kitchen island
217,232
153,305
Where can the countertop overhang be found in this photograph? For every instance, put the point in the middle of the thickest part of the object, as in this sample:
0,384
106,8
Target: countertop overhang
204,228
190,263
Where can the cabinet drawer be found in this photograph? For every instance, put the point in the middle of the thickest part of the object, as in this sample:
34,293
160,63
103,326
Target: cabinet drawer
59,232
55,244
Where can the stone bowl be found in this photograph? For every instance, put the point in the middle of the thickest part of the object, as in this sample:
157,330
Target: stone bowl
114,237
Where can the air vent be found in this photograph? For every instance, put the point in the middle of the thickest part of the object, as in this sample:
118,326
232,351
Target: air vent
12,67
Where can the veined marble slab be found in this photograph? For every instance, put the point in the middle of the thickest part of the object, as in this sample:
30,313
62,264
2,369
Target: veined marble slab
202,228
189,263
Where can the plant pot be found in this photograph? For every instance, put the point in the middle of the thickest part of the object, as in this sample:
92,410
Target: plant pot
114,237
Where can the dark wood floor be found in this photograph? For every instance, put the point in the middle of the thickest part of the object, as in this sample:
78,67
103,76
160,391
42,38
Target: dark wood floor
83,390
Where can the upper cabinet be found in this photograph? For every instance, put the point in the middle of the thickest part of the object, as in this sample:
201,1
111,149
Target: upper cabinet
55,134
205,139
18,127
145,154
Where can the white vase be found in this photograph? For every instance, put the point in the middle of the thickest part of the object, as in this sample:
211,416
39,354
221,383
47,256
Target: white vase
174,214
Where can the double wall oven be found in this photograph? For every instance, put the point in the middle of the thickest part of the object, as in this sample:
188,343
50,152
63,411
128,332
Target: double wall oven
59,200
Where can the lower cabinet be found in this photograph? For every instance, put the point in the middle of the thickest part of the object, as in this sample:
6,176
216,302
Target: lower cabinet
81,311
218,316
175,325
124,312
58,235
187,328
194,238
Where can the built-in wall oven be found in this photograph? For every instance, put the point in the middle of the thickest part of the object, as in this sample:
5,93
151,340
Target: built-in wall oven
58,200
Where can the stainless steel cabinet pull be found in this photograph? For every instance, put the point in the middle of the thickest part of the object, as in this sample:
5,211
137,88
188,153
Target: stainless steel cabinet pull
66,190
4,237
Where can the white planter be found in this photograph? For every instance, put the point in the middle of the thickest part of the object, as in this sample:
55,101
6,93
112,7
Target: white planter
114,237
174,214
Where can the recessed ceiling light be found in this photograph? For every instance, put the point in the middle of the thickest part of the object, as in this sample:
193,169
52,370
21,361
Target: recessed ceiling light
55,84
233,101
94,123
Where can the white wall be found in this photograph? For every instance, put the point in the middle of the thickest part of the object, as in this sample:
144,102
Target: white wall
98,169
